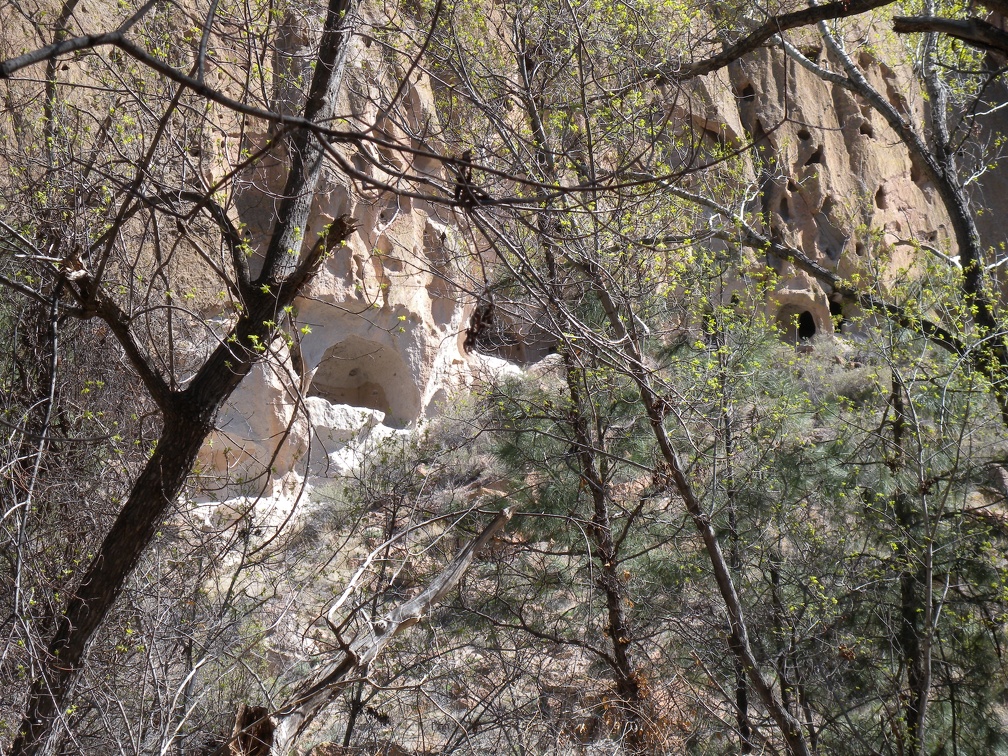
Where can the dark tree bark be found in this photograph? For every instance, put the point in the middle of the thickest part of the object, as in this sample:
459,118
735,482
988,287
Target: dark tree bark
253,732
767,31
189,414
590,455
913,636
973,31
188,419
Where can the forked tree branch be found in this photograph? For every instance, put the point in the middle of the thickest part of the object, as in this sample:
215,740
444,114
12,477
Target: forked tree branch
332,677
766,32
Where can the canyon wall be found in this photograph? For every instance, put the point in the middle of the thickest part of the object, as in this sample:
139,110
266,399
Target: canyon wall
384,322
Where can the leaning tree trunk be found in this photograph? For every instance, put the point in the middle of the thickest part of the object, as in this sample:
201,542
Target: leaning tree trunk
189,415
188,419
739,644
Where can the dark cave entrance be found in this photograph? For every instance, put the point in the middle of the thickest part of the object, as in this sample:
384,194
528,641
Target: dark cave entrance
836,312
806,325
796,323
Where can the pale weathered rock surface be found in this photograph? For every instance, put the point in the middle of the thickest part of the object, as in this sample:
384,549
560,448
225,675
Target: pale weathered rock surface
262,430
377,336
334,428
834,179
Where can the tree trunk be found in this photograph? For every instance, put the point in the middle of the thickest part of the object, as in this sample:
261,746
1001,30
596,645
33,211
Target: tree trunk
188,419
134,528
738,643
188,415
913,637
626,678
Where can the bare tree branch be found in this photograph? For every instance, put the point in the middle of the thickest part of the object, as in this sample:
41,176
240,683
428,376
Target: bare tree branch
9,67
973,31
315,692
118,323
766,32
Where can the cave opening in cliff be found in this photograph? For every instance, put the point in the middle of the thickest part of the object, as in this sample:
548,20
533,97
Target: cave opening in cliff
836,312
797,324
363,373
806,325
512,332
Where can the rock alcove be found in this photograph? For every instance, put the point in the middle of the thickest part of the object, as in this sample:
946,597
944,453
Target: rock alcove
364,373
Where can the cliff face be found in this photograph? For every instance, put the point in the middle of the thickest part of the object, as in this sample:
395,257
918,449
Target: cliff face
835,180
377,337
377,344
384,322
829,175
381,328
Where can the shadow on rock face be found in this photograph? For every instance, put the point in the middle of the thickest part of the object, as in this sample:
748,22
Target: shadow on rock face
363,373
